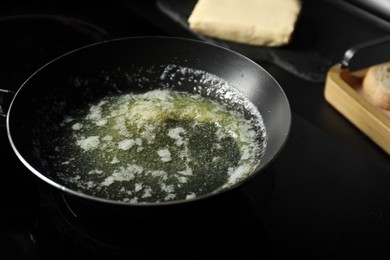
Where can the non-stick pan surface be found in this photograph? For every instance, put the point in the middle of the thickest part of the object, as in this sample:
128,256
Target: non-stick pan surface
94,71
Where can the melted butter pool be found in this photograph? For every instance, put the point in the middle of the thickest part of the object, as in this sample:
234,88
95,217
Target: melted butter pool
158,146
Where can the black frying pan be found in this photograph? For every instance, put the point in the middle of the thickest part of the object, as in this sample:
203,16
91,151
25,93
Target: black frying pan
94,71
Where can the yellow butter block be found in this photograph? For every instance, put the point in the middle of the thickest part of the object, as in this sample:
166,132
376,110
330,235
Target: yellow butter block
254,22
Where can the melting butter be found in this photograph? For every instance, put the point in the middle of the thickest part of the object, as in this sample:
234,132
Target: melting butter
157,146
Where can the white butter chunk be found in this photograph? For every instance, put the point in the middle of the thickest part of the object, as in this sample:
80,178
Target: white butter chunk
253,22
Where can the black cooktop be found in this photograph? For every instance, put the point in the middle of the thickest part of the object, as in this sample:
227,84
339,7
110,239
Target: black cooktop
326,195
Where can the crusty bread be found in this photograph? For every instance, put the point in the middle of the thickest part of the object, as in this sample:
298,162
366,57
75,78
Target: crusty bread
376,85
253,22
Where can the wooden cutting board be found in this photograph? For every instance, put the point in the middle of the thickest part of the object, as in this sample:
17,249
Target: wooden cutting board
344,92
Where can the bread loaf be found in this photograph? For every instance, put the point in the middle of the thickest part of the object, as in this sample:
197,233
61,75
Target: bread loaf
376,85
254,22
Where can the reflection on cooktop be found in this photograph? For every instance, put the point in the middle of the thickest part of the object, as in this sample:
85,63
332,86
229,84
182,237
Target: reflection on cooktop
222,226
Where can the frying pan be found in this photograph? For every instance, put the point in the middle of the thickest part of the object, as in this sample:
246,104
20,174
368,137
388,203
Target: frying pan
127,65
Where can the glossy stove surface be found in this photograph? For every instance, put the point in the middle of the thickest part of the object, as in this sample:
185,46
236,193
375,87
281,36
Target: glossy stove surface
324,197
220,227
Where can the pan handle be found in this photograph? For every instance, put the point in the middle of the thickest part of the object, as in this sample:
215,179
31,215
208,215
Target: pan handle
5,100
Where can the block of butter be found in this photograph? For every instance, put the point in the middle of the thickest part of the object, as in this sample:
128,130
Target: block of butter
253,22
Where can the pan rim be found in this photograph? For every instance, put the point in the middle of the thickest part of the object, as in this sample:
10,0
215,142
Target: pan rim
82,195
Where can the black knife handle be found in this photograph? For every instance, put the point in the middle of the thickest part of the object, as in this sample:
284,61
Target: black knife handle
367,54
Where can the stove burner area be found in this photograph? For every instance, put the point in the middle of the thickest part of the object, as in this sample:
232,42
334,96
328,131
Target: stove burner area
41,224
220,226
